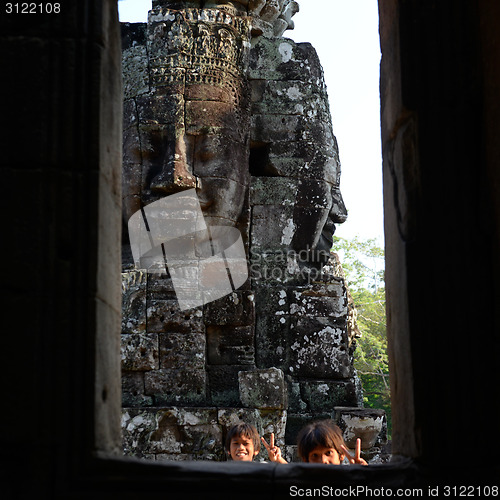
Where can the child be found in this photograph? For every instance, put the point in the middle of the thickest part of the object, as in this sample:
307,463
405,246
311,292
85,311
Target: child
242,442
319,442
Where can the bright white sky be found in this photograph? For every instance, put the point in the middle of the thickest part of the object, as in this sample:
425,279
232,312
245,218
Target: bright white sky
345,35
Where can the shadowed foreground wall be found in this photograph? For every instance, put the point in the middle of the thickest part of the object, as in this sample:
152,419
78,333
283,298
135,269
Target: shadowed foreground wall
440,127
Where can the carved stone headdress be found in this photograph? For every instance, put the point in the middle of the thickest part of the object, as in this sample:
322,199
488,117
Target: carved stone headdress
206,46
270,17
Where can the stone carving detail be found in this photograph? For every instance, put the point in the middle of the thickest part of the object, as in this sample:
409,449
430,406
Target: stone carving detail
197,46
217,100
269,17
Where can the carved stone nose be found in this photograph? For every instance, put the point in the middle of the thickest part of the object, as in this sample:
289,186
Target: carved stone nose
338,212
173,178
175,175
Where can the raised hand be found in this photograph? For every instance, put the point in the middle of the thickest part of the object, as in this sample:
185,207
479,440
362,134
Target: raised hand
273,451
356,459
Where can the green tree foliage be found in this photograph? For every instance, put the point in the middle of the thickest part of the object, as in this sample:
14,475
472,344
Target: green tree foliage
363,265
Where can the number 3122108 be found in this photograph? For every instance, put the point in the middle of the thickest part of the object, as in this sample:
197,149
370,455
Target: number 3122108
32,8
470,491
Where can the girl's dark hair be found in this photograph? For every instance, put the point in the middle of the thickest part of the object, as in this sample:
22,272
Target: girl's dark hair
324,433
246,430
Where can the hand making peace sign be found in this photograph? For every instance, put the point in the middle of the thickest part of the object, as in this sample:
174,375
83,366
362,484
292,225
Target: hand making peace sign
356,459
273,451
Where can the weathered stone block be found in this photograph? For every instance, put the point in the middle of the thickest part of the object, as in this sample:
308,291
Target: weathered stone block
283,166
276,128
293,97
165,315
222,151
257,88
212,117
171,386
335,288
189,416
264,388
324,395
223,384
271,326
202,92
228,417
236,308
130,132
134,302
322,165
228,345
166,438
160,109
312,154
274,268
314,193
228,189
273,226
139,351
309,301
182,350
203,442
191,431
282,58
133,382
274,421
137,427
369,424
293,136
274,191
318,348
181,377
133,390
174,433
296,404
135,67
160,287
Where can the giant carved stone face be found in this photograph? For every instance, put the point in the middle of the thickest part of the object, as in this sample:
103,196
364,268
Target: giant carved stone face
195,129
193,125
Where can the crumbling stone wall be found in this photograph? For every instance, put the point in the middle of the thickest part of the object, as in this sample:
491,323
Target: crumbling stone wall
218,100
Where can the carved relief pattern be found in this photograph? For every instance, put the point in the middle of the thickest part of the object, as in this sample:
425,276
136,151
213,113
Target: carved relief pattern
205,46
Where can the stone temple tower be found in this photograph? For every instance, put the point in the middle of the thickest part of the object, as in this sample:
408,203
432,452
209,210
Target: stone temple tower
218,103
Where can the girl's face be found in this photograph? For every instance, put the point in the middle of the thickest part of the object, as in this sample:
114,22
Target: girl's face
324,455
242,449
